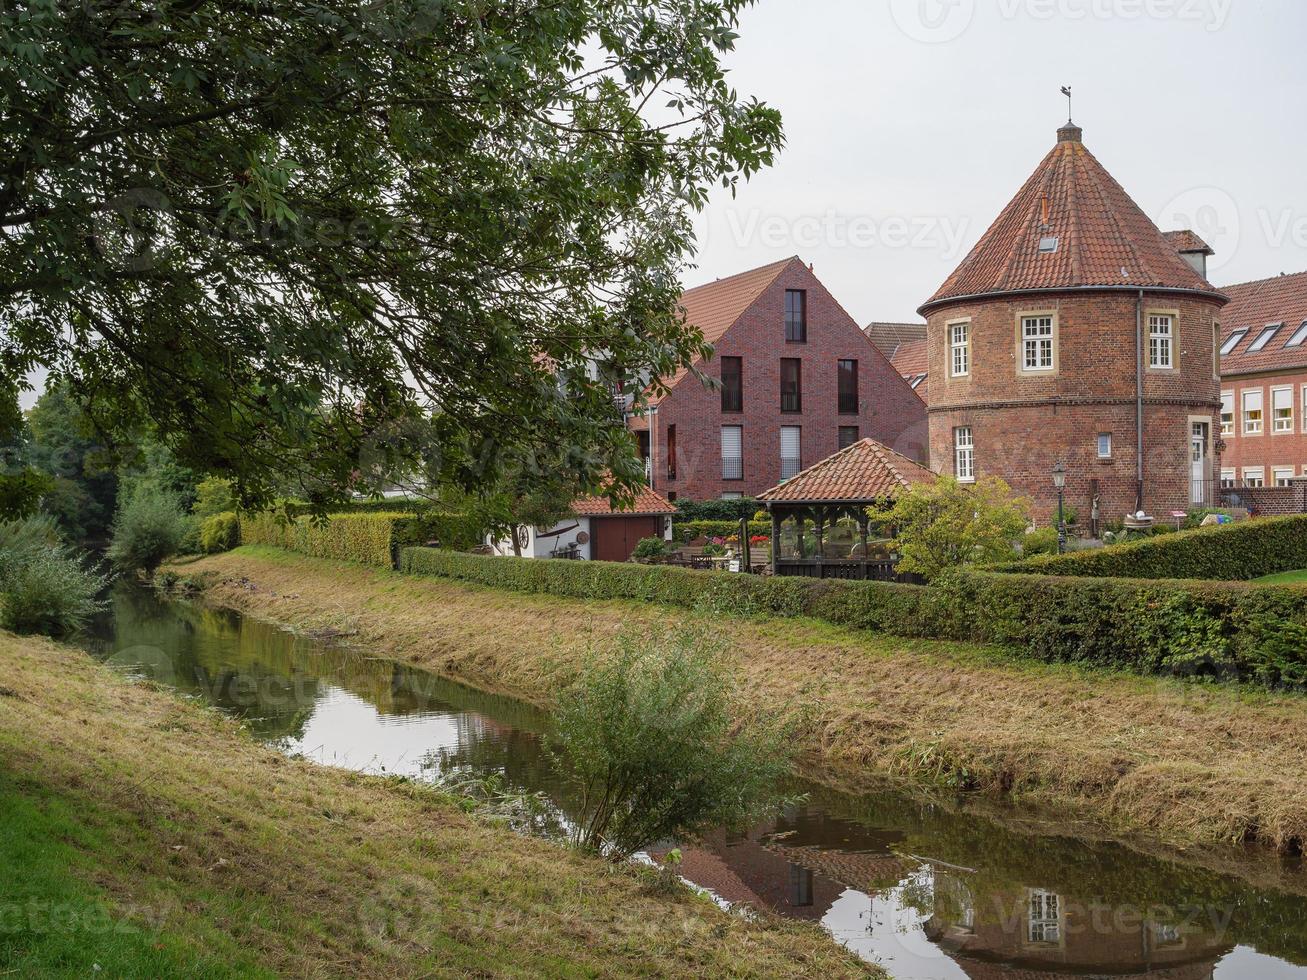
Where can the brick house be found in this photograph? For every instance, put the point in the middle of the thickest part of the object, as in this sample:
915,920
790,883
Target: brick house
799,380
905,345
1076,333
1264,384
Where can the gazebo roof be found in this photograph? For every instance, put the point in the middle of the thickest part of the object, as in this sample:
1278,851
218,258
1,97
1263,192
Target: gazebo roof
864,472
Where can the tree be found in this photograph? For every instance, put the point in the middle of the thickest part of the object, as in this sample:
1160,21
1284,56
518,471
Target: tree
149,527
66,447
947,524
302,238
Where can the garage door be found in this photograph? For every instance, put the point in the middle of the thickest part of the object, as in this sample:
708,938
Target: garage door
614,538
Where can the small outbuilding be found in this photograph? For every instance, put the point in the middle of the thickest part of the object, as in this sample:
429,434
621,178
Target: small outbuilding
594,530
821,518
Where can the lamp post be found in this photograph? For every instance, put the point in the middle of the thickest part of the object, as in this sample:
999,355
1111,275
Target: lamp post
1059,481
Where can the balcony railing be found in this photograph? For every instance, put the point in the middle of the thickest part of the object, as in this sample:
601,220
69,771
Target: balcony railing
732,467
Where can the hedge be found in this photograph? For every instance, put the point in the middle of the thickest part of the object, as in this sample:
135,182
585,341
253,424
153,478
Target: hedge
362,538
734,509
1225,552
689,530
1227,630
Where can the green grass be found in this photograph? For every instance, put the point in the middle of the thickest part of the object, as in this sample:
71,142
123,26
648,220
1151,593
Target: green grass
1298,577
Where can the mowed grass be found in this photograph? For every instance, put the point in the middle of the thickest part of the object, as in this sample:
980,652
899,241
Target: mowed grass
1158,759
152,837
1298,577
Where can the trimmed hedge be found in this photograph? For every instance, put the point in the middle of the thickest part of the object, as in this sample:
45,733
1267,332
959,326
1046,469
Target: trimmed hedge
716,510
689,530
1227,630
1226,552
362,538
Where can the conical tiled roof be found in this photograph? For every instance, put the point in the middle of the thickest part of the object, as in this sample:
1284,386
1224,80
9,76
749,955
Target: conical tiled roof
1071,225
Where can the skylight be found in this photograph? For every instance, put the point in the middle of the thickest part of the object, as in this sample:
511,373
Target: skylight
1232,341
1264,338
1298,337
1048,244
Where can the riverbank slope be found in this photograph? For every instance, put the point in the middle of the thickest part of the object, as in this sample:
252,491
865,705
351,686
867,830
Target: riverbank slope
1170,761
145,835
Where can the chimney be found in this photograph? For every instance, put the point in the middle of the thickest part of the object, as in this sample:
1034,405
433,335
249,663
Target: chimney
1191,248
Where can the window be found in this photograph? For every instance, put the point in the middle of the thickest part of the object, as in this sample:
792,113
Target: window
1254,476
790,453
1281,475
1160,335
1264,337
959,349
732,452
732,384
732,495
964,455
1227,413
848,435
1044,924
1252,412
796,316
1298,337
848,387
1105,445
791,384
1304,408
914,380
1228,478
1232,341
1036,343
1281,409
671,496
671,452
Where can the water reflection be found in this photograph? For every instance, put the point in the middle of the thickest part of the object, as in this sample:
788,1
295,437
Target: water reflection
928,891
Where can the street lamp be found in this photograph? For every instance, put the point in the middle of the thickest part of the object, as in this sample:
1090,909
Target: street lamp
1059,481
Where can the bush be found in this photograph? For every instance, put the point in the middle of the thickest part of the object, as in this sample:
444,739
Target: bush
149,527
1229,552
457,532
221,532
689,530
647,735
363,538
716,510
213,496
45,587
947,524
1042,541
647,549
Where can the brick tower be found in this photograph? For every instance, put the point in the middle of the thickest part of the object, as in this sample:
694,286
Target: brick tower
1075,333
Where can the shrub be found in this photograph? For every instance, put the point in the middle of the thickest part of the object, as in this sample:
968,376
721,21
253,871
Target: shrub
213,496
689,530
650,548
45,587
1230,552
648,737
1042,541
455,531
148,527
221,532
716,510
947,524
363,538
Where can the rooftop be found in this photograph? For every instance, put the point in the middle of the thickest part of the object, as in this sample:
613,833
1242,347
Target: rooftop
864,472
1256,306
909,360
888,336
647,502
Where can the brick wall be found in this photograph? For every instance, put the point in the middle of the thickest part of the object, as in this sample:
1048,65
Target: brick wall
1270,451
888,409
1022,424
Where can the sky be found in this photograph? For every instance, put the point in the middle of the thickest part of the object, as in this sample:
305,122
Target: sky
911,123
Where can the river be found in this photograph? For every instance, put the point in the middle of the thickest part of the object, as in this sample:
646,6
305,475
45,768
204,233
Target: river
922,888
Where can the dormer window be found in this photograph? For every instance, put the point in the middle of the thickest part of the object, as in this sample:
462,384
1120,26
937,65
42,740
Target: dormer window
1232,341
1298,337
1264,337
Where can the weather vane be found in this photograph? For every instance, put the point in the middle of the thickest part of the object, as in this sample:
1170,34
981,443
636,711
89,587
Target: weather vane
1066,90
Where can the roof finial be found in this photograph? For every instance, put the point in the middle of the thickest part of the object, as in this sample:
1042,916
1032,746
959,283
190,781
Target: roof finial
1070,133
1066,90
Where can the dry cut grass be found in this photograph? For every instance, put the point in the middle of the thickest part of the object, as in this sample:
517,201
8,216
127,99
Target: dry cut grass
306,871
1177,763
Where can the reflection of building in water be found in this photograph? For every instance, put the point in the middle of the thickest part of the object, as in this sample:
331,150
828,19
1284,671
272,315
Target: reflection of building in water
1035,933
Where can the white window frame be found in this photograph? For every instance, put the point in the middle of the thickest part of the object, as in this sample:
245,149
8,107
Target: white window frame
1304,408
1043,917
1161,340
1298,337
1254,476
964,454
738,431
1229,477
1252,427
1231,342
1101,437
1264,338
959,356
797,458
1033,344
1276,418
1227,398
1281,473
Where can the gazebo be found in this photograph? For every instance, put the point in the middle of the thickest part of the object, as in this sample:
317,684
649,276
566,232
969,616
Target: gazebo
820,517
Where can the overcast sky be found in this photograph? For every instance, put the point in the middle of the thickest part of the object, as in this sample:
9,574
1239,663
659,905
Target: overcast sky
910,123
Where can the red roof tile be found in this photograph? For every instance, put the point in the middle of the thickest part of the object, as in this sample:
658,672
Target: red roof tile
1103,238
715,306
887,336
864,471
1255,305
646,502
909,360
1186,241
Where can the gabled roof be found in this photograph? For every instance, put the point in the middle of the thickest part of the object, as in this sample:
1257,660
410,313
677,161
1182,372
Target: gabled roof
715,306
909,360
888,336
1255,305
1071,225
647,502
864,472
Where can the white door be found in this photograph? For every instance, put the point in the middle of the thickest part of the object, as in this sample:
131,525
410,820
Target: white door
1198,464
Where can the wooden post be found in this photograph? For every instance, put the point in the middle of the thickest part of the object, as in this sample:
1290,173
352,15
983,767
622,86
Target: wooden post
862,532
775,538
745,559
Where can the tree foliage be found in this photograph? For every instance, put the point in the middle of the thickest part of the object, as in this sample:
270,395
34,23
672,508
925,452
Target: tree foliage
344,240
149,527
45,586
948,524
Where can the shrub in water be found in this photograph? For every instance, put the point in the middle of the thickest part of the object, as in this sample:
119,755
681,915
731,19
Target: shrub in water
45,587
647,737
148,528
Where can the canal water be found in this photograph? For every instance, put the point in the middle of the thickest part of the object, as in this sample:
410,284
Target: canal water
926,891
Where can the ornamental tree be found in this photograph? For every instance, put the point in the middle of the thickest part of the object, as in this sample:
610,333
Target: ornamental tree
341,240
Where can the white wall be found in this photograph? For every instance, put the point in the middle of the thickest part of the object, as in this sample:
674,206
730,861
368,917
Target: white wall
543,542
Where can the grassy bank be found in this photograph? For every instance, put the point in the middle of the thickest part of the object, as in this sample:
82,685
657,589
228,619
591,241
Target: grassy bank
143,835
1178,763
